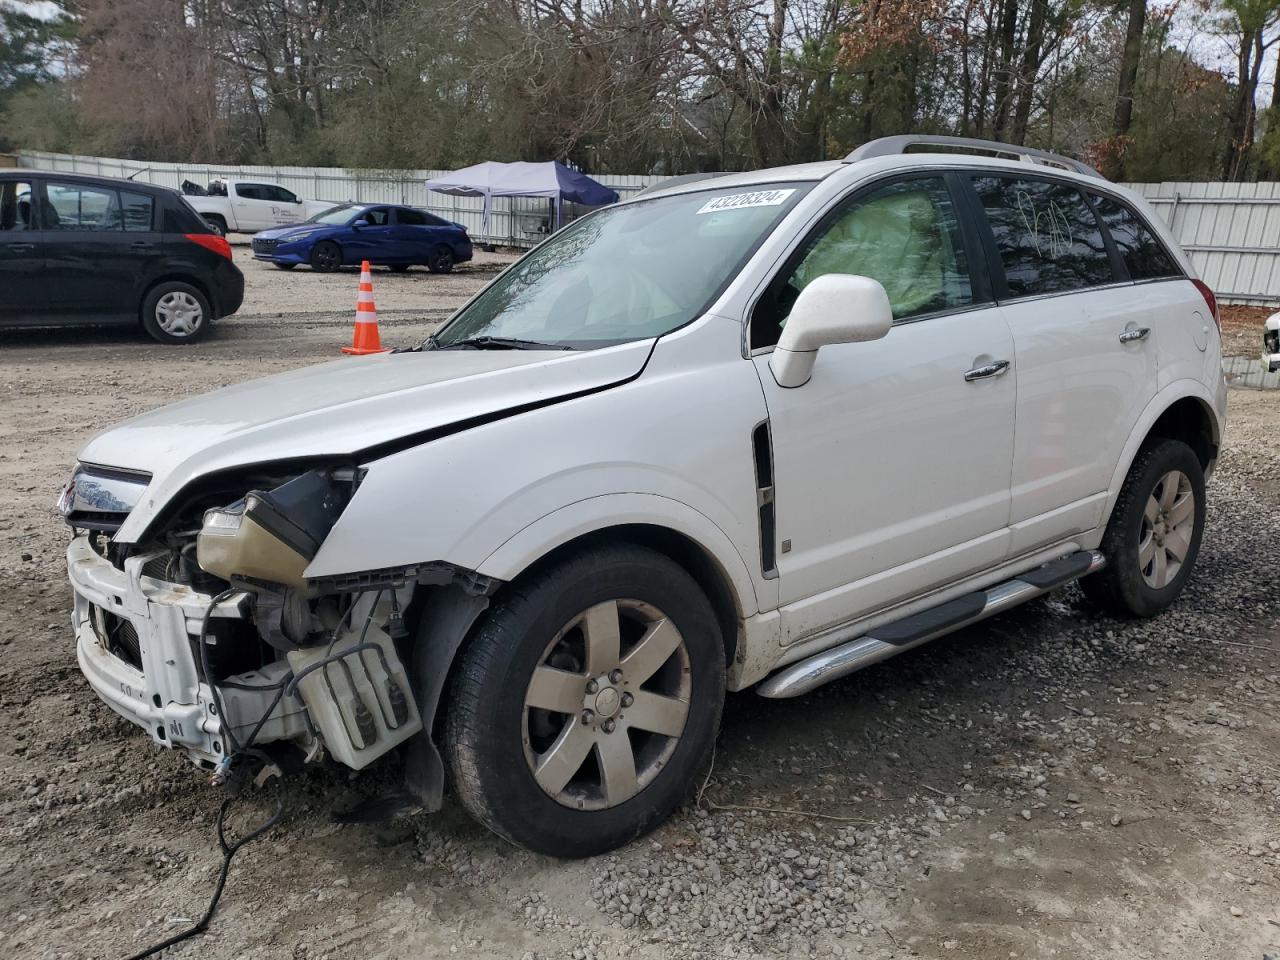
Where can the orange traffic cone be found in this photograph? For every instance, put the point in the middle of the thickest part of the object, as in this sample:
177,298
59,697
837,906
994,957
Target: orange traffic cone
365,339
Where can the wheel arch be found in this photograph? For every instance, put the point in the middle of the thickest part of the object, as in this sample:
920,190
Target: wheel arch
1184,411
447,616
695,559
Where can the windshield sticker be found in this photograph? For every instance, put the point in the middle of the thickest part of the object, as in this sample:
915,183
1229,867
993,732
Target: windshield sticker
740,201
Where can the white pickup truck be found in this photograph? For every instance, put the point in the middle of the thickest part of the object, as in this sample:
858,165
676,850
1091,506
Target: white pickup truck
246,206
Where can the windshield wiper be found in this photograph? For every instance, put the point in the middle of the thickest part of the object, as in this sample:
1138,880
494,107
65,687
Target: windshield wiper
500,343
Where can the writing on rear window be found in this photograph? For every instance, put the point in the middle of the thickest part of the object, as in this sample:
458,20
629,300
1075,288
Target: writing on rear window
738,201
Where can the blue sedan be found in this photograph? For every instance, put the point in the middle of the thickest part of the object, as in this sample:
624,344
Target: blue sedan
397,237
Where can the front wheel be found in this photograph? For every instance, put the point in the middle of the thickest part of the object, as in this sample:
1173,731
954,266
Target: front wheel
1154,533
176,312
326,256
586,705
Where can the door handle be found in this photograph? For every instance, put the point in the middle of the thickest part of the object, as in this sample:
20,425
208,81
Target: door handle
20,247
993,369
1137,333
142,245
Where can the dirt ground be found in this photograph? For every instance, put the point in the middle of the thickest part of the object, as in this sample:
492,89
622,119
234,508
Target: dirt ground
1051,783
1242,330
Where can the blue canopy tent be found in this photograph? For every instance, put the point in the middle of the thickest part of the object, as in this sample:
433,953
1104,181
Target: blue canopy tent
550,179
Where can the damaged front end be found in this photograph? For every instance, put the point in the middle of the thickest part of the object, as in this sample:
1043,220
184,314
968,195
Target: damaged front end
211,638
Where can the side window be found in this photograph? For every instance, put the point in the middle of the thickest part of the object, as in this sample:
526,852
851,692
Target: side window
72,206
137,209
1144,255
377,216
905,234
410,218
1048,238
251,191
15,206
279,194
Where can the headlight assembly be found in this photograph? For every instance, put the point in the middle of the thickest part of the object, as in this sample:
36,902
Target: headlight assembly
272,535
99,498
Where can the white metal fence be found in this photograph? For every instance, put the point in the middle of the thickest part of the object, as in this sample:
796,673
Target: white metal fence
1230,230
514,221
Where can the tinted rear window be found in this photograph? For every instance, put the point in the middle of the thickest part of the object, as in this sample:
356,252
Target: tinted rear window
1046,234
417,218
181,217
138,210
1143,254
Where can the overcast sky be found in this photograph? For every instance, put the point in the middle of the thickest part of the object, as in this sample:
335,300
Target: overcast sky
1209,48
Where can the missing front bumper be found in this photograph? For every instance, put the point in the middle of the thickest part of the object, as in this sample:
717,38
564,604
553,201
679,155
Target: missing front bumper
161,690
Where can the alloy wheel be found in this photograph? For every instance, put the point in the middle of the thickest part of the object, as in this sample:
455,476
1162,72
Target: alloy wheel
606,705
1168,521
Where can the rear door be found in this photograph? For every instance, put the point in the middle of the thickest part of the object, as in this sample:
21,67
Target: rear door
101,246
23,294
1083,374
415,234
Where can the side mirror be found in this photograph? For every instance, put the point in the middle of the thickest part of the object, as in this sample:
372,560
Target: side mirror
360,223
835,308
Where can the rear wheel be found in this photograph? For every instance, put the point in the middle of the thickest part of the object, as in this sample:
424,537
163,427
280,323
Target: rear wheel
216,224
326,256
586,705
440,260
176,312
1154,533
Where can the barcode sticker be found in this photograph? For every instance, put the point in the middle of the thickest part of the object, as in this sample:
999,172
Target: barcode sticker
740,201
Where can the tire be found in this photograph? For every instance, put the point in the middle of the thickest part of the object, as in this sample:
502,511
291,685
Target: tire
326,256
216,224
440,260
174,312
495,738
399,267
285,266
1148,528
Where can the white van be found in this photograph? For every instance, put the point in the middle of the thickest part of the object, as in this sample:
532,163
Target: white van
759,430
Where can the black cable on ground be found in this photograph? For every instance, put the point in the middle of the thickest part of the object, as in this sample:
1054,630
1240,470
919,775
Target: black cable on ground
287,684
228,851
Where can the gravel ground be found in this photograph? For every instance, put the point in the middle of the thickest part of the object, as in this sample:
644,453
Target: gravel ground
1049,783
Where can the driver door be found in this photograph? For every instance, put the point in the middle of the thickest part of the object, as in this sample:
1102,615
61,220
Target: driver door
891,465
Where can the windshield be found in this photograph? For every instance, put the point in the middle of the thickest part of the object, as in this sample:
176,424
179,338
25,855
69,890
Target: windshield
335,215
626,273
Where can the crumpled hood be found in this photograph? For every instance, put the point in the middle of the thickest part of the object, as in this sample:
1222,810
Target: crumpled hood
340,409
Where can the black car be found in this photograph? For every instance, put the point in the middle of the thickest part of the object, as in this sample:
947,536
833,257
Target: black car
93,250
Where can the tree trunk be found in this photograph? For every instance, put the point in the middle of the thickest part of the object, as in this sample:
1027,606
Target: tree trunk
1129,66
1004,70
1030,68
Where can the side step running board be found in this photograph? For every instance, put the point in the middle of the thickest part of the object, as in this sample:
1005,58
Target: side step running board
889,639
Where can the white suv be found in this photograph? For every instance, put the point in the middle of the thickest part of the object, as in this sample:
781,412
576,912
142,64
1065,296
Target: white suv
758,430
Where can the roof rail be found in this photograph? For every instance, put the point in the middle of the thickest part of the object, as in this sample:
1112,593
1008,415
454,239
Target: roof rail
892,146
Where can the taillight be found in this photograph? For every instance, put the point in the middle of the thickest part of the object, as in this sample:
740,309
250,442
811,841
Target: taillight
1210,301
219,245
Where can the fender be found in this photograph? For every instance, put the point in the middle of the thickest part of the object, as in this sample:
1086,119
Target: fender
1162,401
590,515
